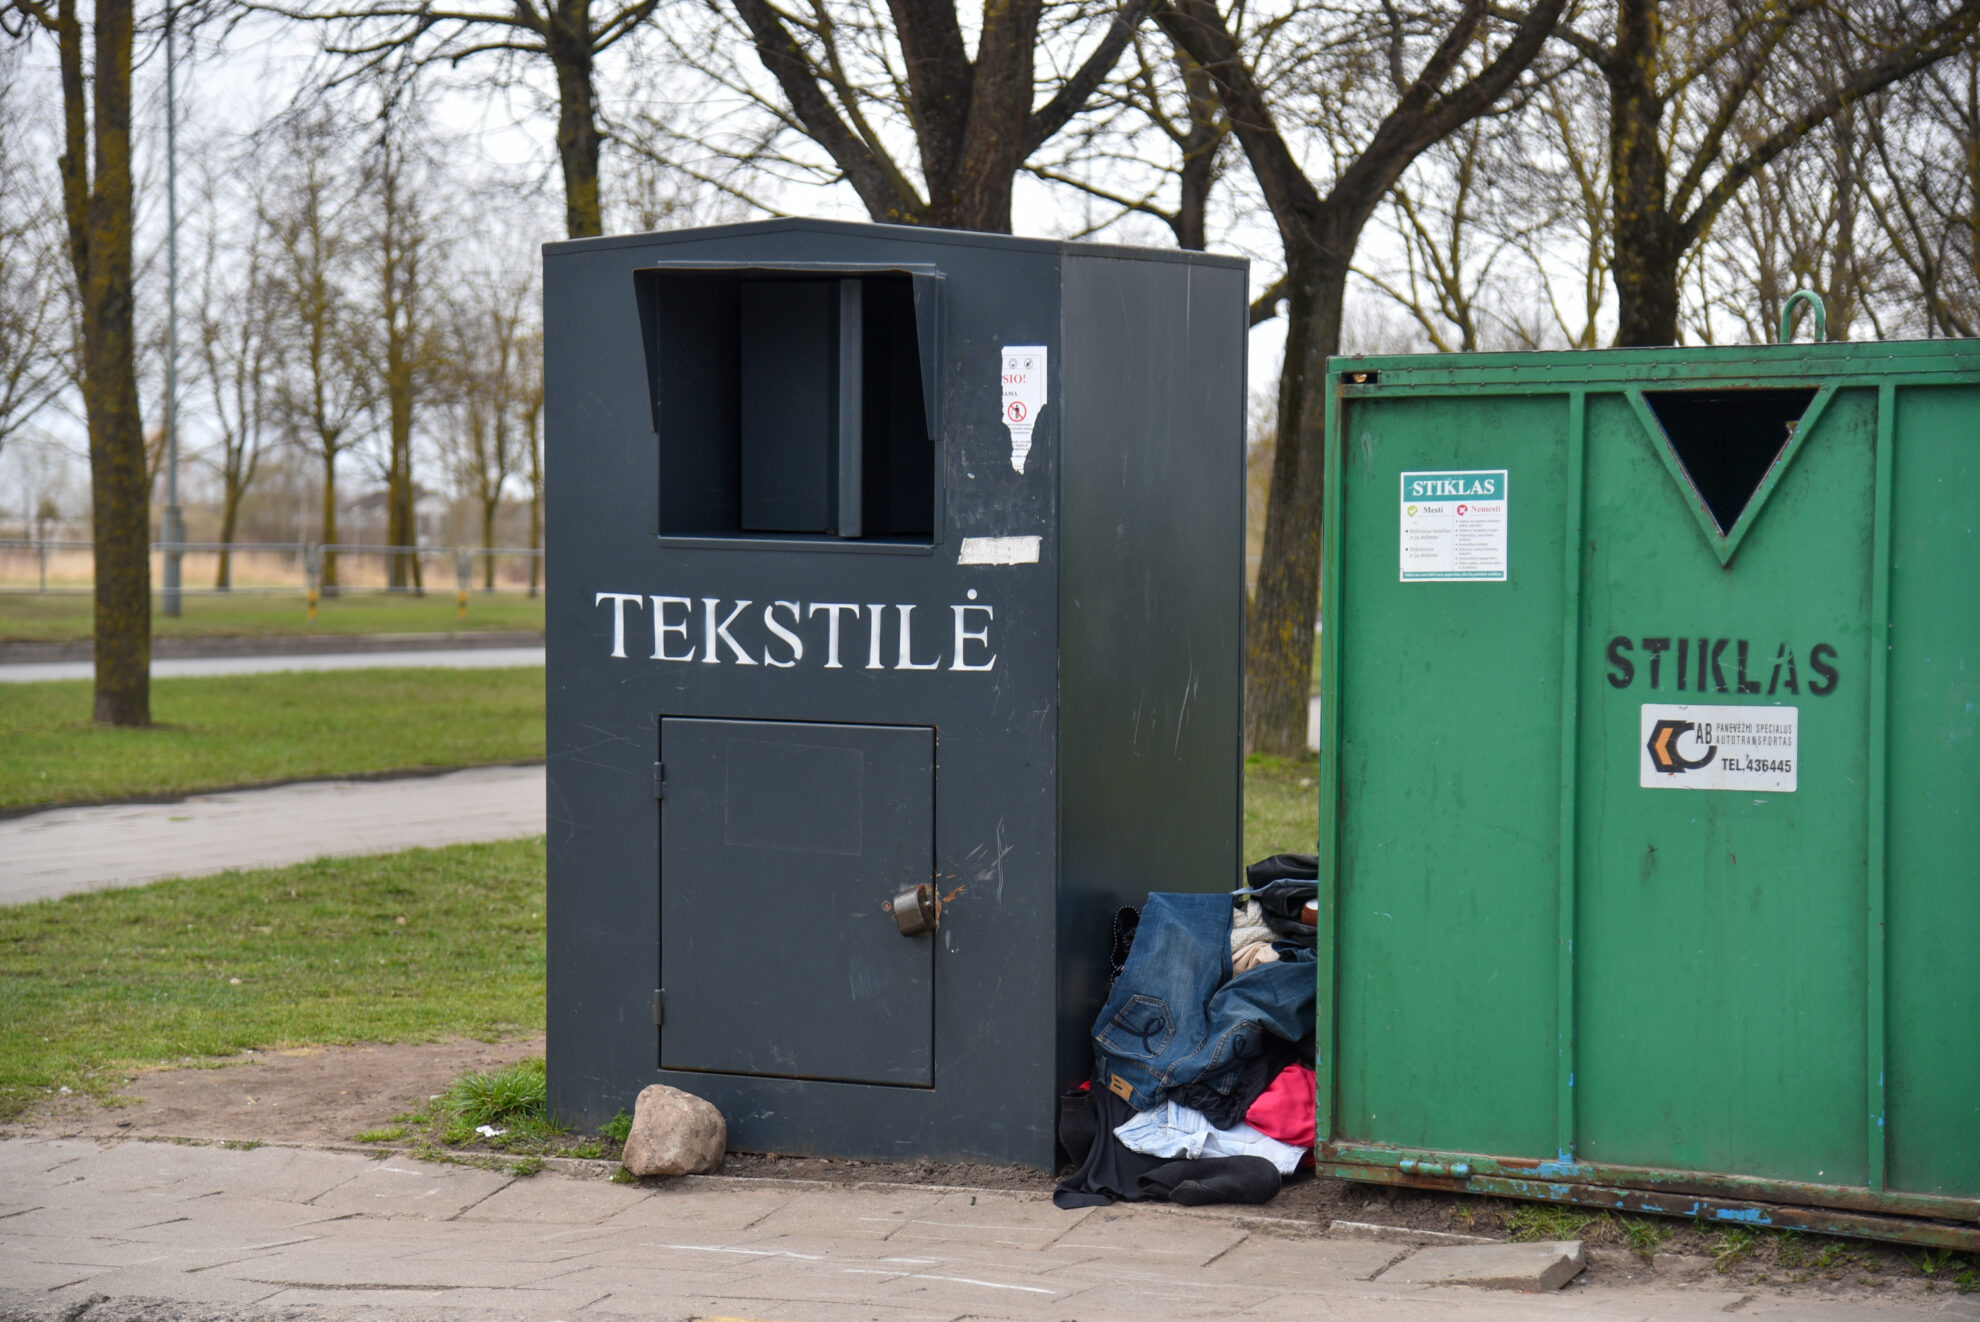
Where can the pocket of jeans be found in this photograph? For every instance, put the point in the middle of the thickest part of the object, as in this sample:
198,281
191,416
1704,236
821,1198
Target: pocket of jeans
1140,1030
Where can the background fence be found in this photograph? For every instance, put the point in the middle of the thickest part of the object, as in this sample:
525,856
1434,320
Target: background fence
55,566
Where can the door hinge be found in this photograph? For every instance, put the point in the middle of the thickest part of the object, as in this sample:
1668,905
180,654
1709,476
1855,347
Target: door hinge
659,780
659,1006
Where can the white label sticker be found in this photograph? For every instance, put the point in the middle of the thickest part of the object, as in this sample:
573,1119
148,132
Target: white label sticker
1023,396
1720,748
998,551
1454,526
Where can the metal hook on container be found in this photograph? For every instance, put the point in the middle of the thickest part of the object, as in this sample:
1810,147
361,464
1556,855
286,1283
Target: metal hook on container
1795,300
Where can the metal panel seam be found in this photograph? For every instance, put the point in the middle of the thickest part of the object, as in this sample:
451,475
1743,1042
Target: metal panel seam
1875,880
1327,1000
1564,1020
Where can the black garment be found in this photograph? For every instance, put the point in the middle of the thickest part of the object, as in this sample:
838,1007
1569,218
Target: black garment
1111,1170
1227,1108
1214,1180
1283,885
1076,1124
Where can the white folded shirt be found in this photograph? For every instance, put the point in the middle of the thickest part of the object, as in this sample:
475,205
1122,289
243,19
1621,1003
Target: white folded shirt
1170,1130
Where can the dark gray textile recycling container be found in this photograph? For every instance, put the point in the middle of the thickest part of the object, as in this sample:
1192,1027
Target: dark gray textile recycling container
887,558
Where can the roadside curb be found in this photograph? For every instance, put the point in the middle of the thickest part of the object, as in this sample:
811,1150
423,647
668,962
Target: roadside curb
310,644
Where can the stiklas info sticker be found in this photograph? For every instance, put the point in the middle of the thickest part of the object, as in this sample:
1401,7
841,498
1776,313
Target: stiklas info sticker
1720,748
1024,396
1454,526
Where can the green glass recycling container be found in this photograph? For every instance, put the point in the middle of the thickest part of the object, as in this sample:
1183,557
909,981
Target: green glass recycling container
1650,791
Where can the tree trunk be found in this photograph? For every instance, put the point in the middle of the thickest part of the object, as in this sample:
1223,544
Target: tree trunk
230,513
567,38
1279,626
488,511
118,479
1646,244
329,521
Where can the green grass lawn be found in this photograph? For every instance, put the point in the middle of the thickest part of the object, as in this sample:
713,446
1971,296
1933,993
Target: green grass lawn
26,617
1281,806
102,984
249,729
418,946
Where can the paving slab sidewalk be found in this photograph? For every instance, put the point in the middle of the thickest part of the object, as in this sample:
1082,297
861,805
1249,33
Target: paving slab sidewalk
64,850
135,1230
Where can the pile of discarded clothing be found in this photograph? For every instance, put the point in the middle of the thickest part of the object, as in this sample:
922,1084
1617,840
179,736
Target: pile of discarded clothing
1203,1083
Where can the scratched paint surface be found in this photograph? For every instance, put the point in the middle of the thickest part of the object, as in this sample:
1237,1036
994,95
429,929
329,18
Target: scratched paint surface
1751,996
1448,769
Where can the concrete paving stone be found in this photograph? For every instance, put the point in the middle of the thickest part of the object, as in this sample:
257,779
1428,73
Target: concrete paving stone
548,1245
557,1202
164,1282
133,1168
32,1275
757,1308
344,1264
1840,1310
688,1206
1186,1241
402,1187
873,1214
30,1165
81,1251
1267,1261
1022,1221
284,1175
1536,1267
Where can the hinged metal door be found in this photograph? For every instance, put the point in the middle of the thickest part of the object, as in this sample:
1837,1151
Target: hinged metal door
780,843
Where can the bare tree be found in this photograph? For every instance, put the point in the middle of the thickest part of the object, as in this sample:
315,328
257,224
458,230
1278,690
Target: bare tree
518,36
856,80
97,204
237,352
1924,191
312,218
1107,154
1369,146
404,345
494,394
34,313
1694,117
529,406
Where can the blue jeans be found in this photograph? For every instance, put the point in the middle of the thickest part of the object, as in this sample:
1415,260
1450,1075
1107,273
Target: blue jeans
1177,1016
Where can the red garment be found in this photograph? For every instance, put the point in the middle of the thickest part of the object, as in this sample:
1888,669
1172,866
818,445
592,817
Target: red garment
1285,1109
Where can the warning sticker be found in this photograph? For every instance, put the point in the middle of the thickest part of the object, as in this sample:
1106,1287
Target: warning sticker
1023,395
1720,748
1454,526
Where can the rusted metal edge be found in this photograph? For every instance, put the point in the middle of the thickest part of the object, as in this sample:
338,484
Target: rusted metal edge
1705,1183
1718,1208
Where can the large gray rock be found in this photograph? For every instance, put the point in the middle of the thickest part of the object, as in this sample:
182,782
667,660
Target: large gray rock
1547,1265
674,1133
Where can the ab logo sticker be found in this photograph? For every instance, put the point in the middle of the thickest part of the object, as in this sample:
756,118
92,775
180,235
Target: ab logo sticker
1663,748
1751,749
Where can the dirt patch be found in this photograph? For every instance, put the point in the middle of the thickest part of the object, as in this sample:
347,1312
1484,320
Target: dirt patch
308,1095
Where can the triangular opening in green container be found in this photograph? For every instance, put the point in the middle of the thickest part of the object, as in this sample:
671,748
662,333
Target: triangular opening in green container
1726,440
